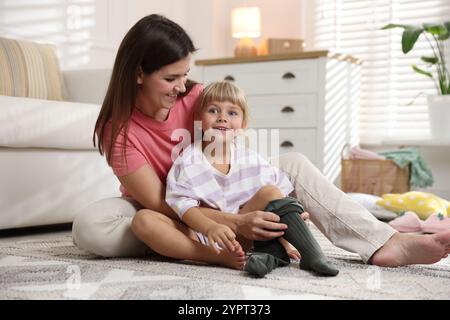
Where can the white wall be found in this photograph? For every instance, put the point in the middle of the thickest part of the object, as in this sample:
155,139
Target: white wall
87,33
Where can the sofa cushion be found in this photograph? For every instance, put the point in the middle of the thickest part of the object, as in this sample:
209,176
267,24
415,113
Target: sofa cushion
424,204
36,123
30,69
86,85
368,201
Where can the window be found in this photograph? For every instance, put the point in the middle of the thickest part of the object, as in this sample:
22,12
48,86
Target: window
388,82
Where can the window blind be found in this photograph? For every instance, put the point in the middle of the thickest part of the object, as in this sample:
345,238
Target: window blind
389,84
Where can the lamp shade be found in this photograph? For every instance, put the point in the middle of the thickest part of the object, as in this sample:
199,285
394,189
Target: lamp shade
245,22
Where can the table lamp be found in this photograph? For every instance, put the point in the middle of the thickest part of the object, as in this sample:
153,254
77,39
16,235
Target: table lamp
245,24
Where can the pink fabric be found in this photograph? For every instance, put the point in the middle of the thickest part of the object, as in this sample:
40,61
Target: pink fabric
358,153
436,223
149,141
410,222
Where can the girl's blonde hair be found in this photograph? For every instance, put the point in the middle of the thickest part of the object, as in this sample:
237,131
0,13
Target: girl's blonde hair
222,91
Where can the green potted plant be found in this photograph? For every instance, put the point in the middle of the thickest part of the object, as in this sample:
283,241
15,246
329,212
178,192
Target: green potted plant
438,105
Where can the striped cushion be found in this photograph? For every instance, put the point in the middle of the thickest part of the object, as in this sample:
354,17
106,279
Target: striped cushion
29,69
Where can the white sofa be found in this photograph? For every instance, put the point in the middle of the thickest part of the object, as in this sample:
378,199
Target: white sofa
49,169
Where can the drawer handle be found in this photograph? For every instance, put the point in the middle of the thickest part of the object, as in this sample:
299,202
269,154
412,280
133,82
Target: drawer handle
287,144
287,109
288,75
229,78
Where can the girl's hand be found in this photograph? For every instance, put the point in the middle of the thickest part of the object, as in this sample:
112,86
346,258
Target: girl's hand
290,250
221,235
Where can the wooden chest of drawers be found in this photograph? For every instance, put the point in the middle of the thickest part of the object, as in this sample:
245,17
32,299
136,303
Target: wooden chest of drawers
311,99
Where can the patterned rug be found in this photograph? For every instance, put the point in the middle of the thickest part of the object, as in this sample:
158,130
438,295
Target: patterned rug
56,269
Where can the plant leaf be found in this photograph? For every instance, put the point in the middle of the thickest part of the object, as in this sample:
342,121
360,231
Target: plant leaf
414,99
447,26
442,86
420,71
409,37
393,25
431,60
435,29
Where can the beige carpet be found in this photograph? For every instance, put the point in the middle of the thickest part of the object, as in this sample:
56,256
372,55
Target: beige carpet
54,268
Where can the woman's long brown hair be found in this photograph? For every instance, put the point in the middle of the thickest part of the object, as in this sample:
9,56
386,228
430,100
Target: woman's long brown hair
152,43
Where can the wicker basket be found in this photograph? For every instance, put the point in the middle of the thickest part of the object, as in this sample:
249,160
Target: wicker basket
375,177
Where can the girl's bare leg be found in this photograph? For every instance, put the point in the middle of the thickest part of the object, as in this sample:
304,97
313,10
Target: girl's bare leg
290,249
298,233
258,202
261,198
173,239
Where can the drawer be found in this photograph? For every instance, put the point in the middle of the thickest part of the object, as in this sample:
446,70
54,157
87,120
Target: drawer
299,140
274,77
269,142
283,111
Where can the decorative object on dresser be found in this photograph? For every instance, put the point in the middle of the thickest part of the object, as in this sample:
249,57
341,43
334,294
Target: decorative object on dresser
438,105
279,46
310,98
245,24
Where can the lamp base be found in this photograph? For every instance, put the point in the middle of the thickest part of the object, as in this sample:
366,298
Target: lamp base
245,48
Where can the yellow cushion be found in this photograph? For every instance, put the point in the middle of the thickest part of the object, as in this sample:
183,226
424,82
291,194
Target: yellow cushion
422,203
29,70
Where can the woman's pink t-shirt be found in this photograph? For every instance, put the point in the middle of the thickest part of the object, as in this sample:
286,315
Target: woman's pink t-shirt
149,141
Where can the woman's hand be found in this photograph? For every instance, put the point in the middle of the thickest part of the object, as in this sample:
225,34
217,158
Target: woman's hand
259,225
262,225
220,234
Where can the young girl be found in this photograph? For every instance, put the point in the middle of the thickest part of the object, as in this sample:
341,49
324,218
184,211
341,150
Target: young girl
220,173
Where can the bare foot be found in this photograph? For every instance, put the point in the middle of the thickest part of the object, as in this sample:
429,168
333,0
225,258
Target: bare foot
234,260
406,249
290,249
304,216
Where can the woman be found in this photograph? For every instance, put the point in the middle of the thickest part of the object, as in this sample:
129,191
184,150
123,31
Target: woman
149,96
